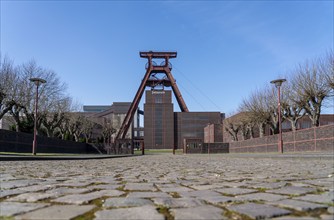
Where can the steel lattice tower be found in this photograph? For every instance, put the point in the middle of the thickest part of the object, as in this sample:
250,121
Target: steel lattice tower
152,79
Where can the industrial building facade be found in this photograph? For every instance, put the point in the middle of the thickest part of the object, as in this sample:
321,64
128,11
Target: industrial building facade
158,120
166,129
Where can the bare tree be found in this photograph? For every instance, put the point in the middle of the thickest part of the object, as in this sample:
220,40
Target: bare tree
232,127
327,67
291,110
21,93
271,104
107,131
256,107
8,78
69,108
87,128
75,126
311,84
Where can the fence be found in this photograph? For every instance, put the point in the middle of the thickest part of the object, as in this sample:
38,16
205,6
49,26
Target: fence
317,139
19,142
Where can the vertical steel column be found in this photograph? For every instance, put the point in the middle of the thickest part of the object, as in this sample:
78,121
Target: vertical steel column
176,91
134,105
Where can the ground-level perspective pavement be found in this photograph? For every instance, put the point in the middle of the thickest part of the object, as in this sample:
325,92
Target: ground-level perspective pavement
222,186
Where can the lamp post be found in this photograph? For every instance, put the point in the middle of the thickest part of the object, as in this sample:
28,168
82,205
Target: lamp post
38,82
278,83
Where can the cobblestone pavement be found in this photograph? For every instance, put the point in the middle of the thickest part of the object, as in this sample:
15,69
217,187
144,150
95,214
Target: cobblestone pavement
169,187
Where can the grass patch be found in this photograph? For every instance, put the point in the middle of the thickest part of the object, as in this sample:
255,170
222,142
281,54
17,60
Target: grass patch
175,195
159,151
91,214
6,218
165,211
261,189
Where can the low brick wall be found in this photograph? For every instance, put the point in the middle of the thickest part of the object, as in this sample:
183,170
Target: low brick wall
19,142
212,148
318,139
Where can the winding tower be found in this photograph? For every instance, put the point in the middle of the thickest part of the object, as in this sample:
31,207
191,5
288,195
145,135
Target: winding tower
158,73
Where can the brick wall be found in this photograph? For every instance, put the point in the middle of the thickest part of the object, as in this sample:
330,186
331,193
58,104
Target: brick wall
205,148
318,139
11,141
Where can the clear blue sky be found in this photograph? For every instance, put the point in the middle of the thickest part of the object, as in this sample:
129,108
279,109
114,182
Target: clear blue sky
226,49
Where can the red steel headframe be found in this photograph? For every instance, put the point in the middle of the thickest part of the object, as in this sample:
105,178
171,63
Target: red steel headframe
151,69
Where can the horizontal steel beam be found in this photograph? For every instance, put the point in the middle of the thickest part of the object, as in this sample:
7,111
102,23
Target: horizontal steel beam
153,54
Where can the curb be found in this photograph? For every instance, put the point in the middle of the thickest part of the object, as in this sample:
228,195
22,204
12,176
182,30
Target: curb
88,157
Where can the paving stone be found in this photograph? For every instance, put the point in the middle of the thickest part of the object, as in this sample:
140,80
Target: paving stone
198,213
6,177
18,183
260,196
269,185
233,184
177,202
104,187
31,197
326,182
259,211
10,192
136,213
331,210
36,188
327,197
205,187
14,208
298,205
218,199
235,191
106,179
75,184
199,193
292,190
140,187
326,217
85,198
148,195
175,189
65,190
295,218
126,202
57,212
173,175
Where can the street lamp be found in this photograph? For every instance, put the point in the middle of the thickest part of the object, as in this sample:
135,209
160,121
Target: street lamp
278,83
38,82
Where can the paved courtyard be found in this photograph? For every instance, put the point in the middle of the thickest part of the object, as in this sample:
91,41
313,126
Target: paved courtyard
170,187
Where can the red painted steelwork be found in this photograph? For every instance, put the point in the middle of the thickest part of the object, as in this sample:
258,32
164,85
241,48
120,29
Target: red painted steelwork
151,70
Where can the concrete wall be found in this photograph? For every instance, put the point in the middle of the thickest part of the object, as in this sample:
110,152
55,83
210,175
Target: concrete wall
318,139
11,141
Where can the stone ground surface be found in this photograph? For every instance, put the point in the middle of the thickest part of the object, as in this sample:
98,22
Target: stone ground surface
170,187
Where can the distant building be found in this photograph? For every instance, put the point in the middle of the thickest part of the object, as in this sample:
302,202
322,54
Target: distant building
112,116
96,108
190,125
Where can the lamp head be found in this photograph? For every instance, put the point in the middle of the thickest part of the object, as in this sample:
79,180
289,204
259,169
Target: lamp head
278,82
37,81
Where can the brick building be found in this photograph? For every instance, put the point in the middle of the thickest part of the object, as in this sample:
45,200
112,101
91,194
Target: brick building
158,120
